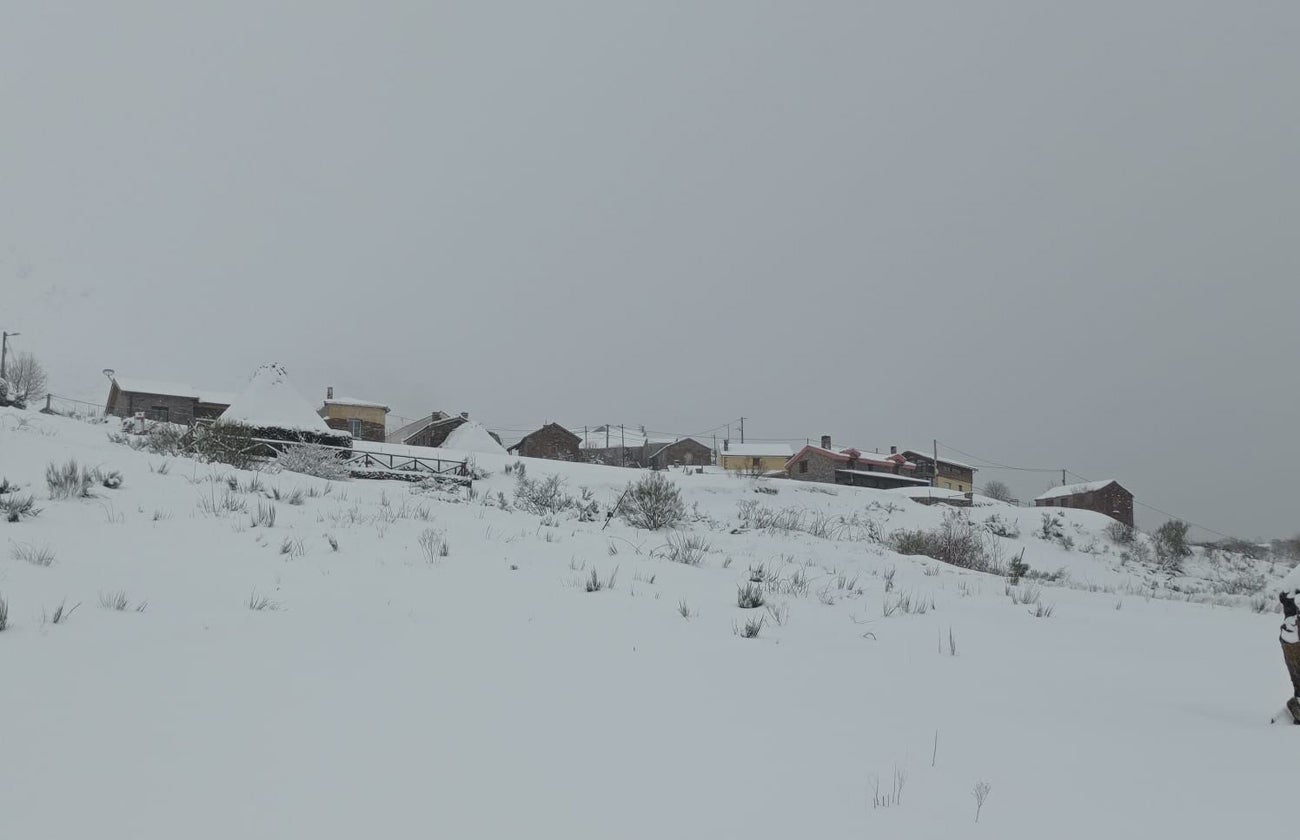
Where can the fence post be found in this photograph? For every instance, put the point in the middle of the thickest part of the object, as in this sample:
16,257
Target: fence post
47,404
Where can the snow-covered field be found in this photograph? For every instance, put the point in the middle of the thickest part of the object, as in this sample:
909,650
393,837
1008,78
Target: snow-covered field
482,691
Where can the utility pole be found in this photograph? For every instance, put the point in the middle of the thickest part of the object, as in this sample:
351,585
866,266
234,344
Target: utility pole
622,443
934,479
4,350
742,430
1062,478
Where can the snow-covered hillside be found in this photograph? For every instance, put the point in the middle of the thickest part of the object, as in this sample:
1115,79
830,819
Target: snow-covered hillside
431,662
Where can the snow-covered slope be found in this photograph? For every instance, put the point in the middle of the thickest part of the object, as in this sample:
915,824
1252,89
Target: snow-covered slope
482,691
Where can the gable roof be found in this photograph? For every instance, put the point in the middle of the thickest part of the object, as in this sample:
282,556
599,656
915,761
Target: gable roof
543,428
410,430
1078,489
849,454
348,401
695,441
133,385
271,401
758,450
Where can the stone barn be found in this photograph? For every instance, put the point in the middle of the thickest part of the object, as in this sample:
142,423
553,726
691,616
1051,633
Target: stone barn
551,441
1105,496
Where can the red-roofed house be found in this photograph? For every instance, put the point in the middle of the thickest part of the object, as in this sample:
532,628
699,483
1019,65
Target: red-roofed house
852,466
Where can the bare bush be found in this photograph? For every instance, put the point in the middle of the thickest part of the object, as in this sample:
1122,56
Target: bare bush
26,377
260,603
892,797
544,496
981,793
4,614
263,516
652,503
434,545
1119,533
313,459
998,490
116,601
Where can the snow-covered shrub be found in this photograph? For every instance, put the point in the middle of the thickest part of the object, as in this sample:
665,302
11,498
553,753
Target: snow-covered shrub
110,479
16,507
750,629
1052,527
1171,545
955,542
652,503
1119,533
1139,552
688,549
165,439
595,583
69,480
313,459
225,443
542,496
749,596
999,527
588,509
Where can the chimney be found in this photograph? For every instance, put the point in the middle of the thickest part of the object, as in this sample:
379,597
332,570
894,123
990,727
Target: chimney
726,444
329,393
893,450
465,414
826,441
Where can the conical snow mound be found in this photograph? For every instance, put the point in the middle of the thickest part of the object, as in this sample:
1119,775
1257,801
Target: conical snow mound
271,402
473,437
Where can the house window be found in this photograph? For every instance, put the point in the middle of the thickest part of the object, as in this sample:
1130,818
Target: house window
354,426
803,466
160,413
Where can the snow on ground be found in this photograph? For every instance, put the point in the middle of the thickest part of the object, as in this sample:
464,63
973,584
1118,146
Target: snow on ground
486,693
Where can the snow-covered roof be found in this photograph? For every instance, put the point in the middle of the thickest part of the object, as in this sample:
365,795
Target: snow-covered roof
906,479
472,437
660,446
758,450
843,455
930,492
349,401
943,459
271,400
628,437
1073,489
172,389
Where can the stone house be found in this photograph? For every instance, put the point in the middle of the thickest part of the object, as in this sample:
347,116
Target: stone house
1106,497
165,402
852,467
364,420
754,458
685,452
551,441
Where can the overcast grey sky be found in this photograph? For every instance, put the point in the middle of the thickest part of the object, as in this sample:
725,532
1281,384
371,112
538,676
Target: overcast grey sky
1047,234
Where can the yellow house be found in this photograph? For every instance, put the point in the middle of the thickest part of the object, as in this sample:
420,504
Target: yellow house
754,458
365,420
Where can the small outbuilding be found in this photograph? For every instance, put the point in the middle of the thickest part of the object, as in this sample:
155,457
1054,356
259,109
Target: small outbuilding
164,402
686,452
1105,496
551,441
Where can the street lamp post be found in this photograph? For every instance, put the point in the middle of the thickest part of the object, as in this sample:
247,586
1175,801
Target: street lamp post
4,350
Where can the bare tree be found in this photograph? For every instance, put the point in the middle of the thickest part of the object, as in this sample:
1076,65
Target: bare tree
998,490
981,792
26,378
